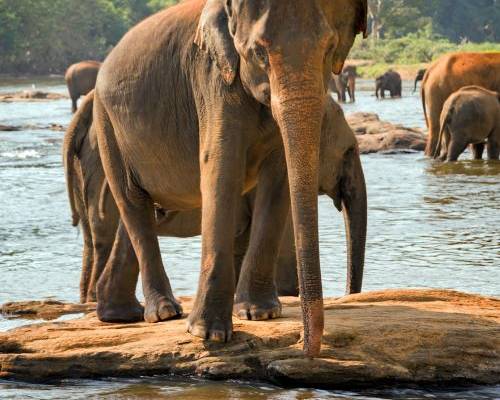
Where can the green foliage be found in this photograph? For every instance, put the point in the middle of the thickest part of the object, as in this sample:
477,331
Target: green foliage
45,36
414,48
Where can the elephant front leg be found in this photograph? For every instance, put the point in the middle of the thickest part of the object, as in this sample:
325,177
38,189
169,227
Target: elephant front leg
222,162
117,285
256,293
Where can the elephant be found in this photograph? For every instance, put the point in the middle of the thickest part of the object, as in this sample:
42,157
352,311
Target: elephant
338,85
80,79
390,81
194,103
447,75
345,82
471,115
419,78
98,215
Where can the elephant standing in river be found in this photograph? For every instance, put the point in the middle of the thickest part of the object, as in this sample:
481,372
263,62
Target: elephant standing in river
80,79
471,115
345,83
341,177
177,123
390,81
447,75
419,78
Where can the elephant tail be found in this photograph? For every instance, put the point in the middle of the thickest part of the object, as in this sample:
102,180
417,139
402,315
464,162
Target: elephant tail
445,120
103,197
73,139
422,90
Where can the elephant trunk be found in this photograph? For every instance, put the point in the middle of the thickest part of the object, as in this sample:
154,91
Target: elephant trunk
354,206
297,102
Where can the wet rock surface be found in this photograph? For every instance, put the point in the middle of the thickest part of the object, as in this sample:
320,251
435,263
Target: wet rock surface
30,96
417,336
376,136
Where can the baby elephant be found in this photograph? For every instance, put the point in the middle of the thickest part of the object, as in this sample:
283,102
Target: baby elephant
471,115
390,81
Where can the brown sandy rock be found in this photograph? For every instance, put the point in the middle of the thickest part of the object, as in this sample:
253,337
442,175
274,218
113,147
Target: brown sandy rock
417,336
30,96
45,309
375,135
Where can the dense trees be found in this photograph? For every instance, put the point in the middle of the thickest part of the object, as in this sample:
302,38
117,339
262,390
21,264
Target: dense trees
457,20
45,36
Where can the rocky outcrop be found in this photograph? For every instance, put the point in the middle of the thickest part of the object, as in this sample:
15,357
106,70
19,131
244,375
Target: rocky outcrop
46,309
417,336
376,136
30,96
16,128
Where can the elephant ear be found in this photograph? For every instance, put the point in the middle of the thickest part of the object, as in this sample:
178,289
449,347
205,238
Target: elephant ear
360,26
213,37
362,18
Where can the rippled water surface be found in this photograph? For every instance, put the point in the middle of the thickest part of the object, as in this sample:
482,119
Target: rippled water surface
430,225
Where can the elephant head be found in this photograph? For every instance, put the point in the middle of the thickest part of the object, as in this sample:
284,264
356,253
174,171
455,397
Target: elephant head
283,53
419,77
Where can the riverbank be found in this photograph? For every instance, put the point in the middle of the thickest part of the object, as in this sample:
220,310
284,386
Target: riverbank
399,336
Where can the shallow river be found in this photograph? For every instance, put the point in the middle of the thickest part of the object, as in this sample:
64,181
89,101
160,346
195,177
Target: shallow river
430,225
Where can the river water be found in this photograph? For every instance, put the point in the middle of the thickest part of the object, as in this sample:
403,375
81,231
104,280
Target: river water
430,225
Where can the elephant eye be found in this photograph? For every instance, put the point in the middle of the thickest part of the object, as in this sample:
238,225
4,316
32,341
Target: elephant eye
261,55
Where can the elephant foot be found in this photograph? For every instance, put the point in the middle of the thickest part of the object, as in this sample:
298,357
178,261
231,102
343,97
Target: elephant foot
211,322
123,312
161,308
261,309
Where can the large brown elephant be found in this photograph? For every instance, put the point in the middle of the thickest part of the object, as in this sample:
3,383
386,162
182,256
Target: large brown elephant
80,79
98,215
447,75
179,122
471,115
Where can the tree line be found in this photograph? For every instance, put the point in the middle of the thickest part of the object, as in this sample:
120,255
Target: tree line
45,36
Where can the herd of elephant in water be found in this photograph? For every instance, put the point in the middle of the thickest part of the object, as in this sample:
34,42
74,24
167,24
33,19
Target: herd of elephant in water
205,119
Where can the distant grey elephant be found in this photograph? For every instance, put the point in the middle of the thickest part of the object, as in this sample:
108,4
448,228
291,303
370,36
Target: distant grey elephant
345,83
80,79
390,81
419,78
471,115
341,177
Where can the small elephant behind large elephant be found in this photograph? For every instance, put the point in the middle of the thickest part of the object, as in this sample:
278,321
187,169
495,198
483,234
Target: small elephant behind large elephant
80,79
390,81
447,75
471,115
341,178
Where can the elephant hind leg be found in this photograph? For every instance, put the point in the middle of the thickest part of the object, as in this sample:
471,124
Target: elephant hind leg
87,260
137,213
477,151
456,148
494,149
256,294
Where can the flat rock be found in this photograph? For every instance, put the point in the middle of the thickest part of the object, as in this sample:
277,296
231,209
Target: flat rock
376,136
399,336
45,309
30,96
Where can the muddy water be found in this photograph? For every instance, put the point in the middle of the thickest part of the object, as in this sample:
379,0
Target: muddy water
430,225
